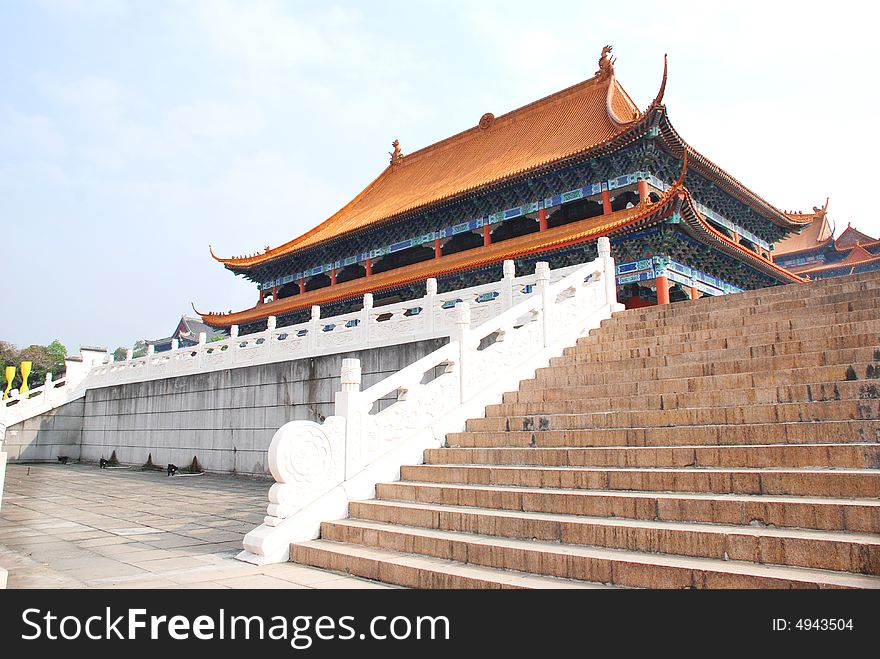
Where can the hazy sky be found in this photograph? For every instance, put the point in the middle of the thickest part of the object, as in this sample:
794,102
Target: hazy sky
135,133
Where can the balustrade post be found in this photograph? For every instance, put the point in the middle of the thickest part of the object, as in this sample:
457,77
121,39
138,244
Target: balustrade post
48,390
148,365
233,331
609,271
346,403
509,272
430,303
463,331
365,317
175,344
314,326
271,324
542,274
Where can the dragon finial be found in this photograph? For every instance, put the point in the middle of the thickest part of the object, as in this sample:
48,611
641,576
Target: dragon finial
397,154
606,64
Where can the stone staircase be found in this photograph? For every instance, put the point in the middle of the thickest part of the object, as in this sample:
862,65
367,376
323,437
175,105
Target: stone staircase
717,443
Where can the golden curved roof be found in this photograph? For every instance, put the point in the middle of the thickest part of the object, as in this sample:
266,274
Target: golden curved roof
553,128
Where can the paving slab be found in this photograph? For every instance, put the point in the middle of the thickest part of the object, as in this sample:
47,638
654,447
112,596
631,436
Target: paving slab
77,526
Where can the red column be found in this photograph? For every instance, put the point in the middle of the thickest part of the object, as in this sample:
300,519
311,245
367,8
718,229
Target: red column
695,294
643,190
333,276
260,301
606,202
274,293
662,289
369,266
542,220
487,236
302,285
438,250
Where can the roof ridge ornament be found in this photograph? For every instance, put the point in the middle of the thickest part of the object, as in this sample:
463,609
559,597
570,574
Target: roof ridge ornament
606,64
397,154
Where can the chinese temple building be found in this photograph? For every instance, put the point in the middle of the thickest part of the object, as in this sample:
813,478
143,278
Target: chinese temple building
540,183
817,254
186,334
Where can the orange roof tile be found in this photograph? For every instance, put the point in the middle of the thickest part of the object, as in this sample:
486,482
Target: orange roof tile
551,129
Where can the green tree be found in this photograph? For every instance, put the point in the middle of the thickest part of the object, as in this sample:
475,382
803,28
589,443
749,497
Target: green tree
119,354
58,353
140,348
45,359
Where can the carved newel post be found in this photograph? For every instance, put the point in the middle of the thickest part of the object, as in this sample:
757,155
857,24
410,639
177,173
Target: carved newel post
508,270
430,302
542,273
346,405
610,275
463,330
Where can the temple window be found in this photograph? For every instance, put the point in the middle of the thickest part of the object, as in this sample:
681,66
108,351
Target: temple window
583,209
624,200
350,272
462,242
318,281
519,226
403,258
287,290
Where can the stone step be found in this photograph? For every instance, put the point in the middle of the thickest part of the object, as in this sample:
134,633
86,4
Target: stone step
765,373
827,432
836,410
611,566
769,346
719,338
824,550
854,302
417,571
716,363
609,398
821,376
766,296
760,456
800,482
761,297
743,325
819,513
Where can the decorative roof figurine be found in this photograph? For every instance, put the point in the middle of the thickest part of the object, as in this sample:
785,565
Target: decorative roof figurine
606,64
397,154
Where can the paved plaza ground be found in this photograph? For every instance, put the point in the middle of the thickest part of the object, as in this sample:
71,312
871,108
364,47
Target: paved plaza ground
77,526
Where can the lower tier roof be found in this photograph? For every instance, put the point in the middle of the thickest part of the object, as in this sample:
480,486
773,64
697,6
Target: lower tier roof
675,200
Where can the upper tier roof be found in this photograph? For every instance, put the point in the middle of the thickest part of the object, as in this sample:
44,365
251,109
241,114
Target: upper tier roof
553,128
578,120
